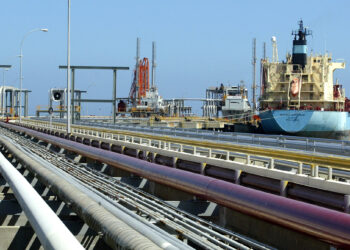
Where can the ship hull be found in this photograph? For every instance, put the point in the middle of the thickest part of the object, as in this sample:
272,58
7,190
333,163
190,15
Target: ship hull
324,124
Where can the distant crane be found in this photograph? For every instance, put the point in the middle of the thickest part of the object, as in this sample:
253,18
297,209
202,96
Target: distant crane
140,84
144,94
142,81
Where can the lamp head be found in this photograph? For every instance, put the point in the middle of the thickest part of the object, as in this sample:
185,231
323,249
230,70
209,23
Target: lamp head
44,30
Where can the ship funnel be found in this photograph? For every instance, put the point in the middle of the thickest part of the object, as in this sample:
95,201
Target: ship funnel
300,45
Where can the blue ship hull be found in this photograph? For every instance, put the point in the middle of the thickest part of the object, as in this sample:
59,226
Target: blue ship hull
326,124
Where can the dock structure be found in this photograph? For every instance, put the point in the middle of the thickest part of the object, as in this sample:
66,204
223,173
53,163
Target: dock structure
10,99
230,101
114,92
59,96
203,173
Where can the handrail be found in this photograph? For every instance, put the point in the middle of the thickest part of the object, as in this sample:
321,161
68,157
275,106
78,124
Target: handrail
312,158
50,230
201,132
204,134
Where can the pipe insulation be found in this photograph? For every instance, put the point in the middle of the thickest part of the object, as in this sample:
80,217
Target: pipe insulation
116,233
51,231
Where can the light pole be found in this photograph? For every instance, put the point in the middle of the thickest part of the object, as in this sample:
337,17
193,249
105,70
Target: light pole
68,74
3,92
20,69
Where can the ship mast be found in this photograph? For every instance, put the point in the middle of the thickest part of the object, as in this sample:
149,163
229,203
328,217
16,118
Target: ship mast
274,50
264,50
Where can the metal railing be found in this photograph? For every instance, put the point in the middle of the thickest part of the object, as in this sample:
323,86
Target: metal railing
320,145
318,170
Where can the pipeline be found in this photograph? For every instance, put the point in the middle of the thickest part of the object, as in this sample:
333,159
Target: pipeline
325,224
152,232
39,214
116,233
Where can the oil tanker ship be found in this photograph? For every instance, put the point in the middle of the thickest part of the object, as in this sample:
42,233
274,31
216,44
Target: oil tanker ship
299,96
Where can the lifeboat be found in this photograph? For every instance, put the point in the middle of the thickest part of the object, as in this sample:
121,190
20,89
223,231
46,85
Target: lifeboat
294,86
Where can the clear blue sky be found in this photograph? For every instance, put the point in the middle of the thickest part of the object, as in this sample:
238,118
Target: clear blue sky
199,43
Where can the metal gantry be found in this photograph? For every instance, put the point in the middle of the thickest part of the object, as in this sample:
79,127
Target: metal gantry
114,98
10,101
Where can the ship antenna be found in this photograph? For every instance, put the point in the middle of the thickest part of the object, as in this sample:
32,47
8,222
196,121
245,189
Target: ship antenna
274,50
301,25
301,32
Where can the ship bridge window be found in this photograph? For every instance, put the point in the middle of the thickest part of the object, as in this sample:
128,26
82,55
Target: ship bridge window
311,96
282,86
311,87
232,92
